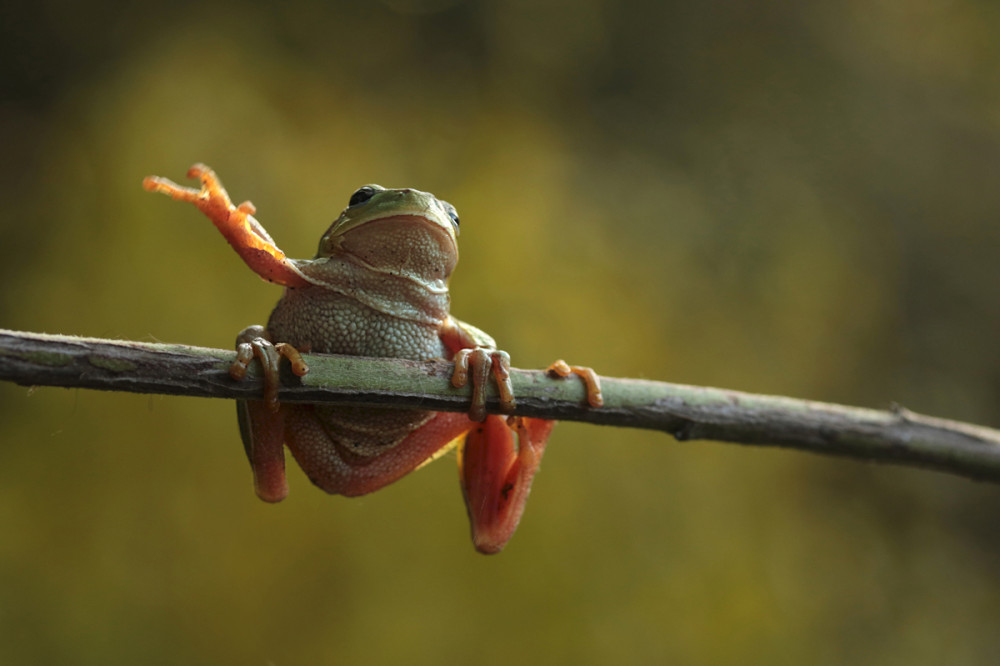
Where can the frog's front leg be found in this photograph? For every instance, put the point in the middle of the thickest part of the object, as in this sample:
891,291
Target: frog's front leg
481,362
474,352
255,342
237,224
262,422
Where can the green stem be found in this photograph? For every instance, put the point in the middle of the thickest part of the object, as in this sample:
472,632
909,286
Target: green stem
687,412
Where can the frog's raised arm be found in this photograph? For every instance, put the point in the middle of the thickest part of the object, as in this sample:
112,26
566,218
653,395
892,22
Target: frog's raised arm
237,224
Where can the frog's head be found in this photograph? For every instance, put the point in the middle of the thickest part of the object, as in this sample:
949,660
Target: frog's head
402,232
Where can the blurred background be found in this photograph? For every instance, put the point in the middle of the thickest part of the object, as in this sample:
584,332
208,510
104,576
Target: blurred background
790,198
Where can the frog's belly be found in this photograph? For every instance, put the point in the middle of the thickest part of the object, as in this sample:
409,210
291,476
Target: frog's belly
356,450
324,321
368,431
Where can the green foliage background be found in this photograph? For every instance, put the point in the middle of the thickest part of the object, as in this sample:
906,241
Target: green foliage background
793,198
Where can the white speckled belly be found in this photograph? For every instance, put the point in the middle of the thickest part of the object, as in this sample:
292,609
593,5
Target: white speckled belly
325,321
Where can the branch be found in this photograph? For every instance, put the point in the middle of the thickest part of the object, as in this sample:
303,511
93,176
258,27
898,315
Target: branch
687,412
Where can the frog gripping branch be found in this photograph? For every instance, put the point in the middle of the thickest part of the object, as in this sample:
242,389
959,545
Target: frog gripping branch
378,286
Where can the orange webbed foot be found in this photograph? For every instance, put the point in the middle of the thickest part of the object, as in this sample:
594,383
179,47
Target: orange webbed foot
496,475
591,380
212,198
236,223
263,432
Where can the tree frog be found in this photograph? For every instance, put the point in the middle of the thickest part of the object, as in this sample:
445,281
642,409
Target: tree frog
378,286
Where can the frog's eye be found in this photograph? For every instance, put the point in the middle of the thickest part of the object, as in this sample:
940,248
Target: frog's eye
362,195
452,213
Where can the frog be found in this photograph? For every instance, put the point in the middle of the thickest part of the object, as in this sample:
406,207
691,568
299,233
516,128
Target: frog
377,287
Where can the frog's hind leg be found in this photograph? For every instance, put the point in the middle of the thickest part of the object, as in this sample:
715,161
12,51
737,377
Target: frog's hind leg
262,430
591,380
496,476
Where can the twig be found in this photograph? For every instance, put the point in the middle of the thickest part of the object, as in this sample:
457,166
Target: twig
687,412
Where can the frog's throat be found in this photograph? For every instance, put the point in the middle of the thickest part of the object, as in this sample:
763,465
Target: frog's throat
398,295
